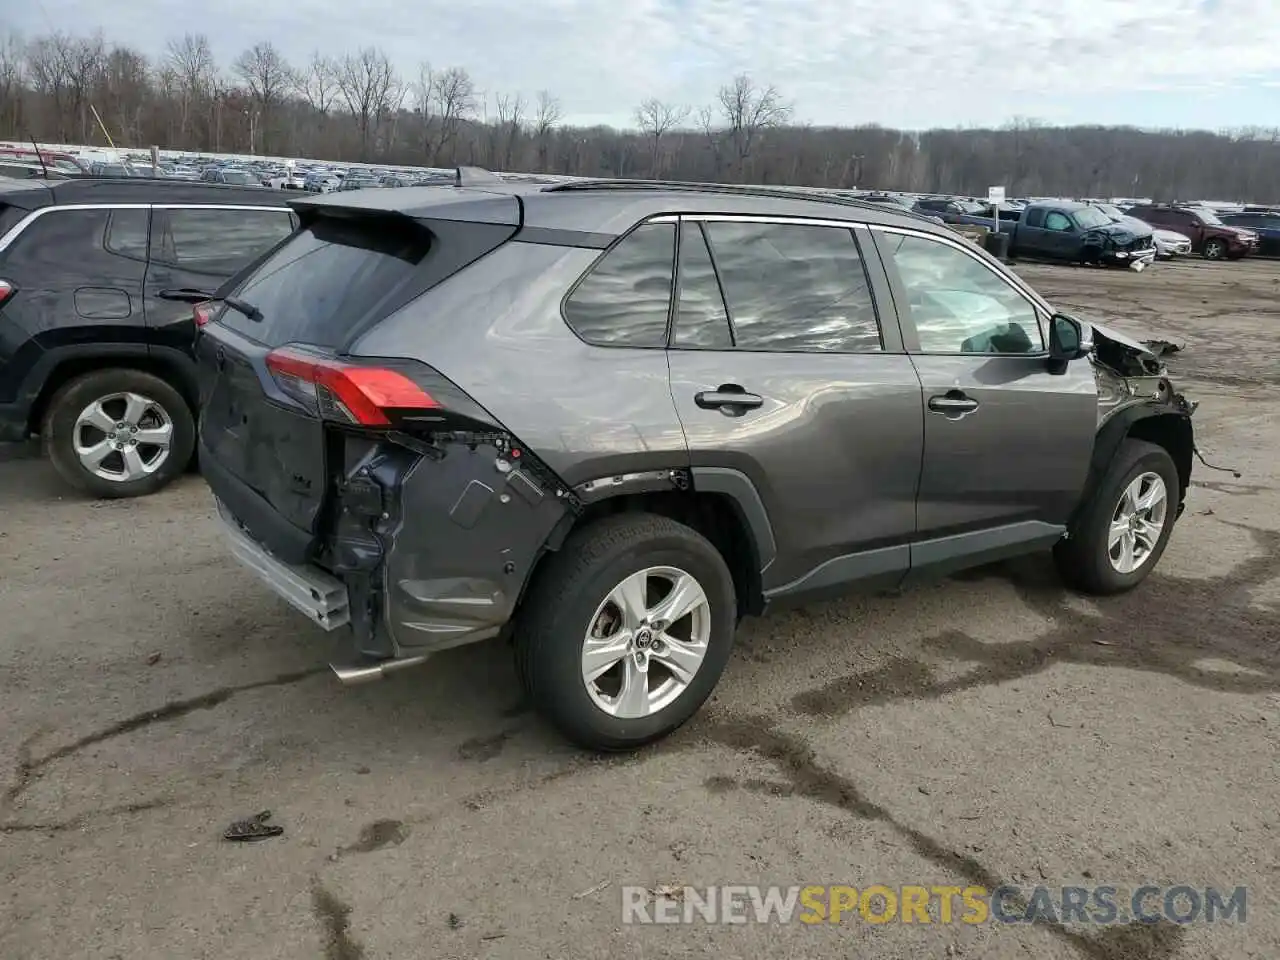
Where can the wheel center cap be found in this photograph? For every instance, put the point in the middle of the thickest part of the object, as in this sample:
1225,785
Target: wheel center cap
643,638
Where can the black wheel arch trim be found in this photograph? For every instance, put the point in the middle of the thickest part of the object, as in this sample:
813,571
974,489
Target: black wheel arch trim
738,486
1119,428
34,384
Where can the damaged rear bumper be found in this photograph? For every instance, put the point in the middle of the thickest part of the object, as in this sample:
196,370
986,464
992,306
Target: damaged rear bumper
422,546
320,596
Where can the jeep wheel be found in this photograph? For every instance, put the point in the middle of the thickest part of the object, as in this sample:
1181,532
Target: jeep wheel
626,631
118,433
1123,531
1214,249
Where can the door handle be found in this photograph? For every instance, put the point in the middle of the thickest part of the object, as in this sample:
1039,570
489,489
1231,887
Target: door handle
953,403
729,398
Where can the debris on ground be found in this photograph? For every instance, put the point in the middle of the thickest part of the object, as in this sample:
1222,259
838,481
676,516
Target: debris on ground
668,891
590,890
153,658
455,922
255,828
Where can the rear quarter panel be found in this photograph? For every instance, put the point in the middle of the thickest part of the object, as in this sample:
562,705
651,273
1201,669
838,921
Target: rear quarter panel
496,330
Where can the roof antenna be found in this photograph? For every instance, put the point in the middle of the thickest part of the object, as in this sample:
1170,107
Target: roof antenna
39,155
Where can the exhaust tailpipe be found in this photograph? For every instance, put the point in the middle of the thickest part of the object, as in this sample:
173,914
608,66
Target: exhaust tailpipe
366,672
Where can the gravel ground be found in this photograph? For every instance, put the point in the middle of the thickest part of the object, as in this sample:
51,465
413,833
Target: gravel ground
988,729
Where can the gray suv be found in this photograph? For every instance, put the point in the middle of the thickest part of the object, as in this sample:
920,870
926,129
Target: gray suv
608,419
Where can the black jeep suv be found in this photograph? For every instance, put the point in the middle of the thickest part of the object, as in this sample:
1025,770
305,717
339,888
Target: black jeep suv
615,417
95,339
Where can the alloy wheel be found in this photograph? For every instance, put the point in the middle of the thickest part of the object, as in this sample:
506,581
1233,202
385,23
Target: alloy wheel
646,641
123,437
1137,522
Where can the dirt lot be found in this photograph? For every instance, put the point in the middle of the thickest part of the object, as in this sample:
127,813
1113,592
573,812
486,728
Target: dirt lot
990,729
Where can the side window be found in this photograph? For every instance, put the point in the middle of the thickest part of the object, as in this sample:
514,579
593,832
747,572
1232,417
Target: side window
127,233
702,323
624,300
208,240
58,239
1035,217
794,287
1057,221
958,305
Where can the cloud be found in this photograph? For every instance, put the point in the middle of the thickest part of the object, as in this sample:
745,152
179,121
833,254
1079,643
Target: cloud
912,64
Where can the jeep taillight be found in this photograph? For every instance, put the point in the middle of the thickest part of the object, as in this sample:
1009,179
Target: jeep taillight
7,290
360,394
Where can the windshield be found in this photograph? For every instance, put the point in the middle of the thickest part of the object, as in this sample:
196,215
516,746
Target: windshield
971,206
1110,210
1208,216
1090,217
236,177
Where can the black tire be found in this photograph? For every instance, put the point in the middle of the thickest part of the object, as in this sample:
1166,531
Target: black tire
555,618
57,432
1214,249
1083,559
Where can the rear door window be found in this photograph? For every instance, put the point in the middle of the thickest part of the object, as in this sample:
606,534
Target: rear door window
127,231
624,300
702,322
326,279
58,239
218,241
794,287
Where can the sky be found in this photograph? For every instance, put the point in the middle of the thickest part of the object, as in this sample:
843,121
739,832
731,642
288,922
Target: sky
912,64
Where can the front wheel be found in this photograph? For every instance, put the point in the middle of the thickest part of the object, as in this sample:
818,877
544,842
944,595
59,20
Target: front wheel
626,631
1122,532
1214,249
118,433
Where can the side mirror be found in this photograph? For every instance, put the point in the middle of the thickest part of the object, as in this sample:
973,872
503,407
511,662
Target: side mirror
1069,338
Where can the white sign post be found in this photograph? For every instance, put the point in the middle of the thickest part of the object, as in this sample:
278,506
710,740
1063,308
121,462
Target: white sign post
995,197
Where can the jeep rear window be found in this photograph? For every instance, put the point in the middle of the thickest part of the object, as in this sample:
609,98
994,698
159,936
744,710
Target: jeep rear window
330,275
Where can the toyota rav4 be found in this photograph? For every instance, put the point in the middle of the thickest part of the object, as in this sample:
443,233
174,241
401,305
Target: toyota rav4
608,419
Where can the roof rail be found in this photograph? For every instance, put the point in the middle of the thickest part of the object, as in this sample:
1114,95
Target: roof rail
474,177
735,189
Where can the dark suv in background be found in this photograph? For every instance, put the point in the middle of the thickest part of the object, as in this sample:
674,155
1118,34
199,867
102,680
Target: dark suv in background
610,418
1210,237
96,332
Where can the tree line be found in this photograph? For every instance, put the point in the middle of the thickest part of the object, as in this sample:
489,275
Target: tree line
357,106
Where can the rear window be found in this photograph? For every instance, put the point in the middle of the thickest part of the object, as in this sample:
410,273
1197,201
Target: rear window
326,279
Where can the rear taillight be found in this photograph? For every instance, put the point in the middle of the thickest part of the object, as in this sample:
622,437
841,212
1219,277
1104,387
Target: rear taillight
359,394
7,290
202,313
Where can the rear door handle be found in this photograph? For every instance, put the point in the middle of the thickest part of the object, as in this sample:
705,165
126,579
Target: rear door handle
728,400
953,403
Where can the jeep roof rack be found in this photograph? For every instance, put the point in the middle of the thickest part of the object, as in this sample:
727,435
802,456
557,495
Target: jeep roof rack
734,189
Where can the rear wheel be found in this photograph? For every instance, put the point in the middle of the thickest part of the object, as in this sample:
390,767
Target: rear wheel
1214,249
1122,532
626,631
118,433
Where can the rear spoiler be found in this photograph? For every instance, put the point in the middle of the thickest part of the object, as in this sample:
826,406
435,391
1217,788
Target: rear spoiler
472,199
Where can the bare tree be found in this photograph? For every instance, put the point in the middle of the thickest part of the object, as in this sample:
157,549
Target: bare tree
747,111
124,91
547,113
318,83
369,86
13,67
269,78
191,60
454,96
507,130
655,118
